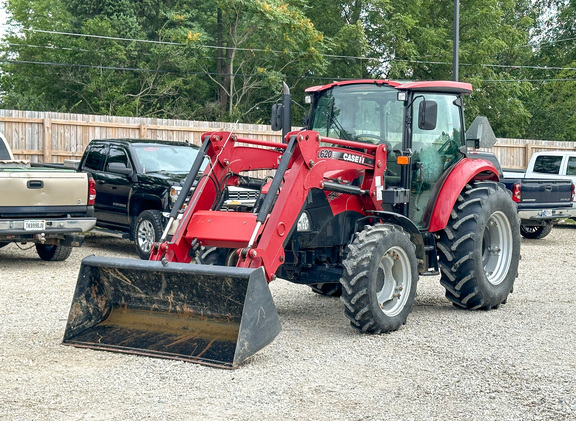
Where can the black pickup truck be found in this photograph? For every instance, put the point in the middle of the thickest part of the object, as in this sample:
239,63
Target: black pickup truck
136,182
541,203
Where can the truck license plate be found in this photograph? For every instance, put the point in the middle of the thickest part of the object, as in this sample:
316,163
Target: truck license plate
34,225
546,213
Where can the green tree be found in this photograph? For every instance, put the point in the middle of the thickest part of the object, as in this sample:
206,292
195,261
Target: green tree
264,43
552,101
412,40
177,74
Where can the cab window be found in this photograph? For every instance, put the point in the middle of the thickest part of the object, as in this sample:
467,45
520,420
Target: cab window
117,155
548,164
434,150
96,157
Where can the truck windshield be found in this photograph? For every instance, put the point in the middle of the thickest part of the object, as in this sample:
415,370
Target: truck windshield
360,112
168,158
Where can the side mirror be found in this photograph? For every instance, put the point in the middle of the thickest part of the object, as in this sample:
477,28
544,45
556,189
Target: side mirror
480,134
119,168
427,115
282,113
277,114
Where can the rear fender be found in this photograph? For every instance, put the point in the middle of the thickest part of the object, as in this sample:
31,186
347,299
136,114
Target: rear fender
465,171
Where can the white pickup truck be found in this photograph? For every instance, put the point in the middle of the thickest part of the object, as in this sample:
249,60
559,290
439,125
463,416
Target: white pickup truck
49,208
548,167
552,165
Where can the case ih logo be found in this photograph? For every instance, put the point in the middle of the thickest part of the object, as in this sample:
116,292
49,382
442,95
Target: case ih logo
353,158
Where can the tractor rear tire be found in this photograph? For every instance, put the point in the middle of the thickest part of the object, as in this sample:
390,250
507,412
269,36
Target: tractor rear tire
328,289
479,250
535,233
379,279
53,253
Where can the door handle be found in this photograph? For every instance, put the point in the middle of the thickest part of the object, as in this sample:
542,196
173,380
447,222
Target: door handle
100,182
35,184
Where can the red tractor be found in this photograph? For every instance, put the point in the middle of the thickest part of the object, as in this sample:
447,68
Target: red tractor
378,189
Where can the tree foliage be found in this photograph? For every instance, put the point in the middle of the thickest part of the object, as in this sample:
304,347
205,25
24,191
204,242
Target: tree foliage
226,59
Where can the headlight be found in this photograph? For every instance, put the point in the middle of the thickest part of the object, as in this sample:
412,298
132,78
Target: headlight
174,191
304,223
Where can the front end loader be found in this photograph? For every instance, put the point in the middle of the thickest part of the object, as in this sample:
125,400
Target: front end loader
379,189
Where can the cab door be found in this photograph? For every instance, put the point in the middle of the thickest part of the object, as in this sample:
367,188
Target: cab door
117,187
435,148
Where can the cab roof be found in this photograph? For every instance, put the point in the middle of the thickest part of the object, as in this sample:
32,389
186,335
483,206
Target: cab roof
431,86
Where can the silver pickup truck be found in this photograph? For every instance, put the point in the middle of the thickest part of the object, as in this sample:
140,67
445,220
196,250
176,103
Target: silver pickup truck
47,207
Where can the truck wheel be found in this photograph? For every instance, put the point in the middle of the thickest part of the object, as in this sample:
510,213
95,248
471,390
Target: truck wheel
535,232
479,250
328,289
379,279
147,230
53,253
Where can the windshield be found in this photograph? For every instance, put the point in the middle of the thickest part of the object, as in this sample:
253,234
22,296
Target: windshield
360,112
166,158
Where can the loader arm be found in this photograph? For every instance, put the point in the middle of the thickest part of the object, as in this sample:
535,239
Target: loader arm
301,166
227,160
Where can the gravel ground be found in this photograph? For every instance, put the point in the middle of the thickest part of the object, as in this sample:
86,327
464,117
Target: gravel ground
517,362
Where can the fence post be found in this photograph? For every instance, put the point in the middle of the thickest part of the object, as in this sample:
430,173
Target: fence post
143,131
529,152
47,123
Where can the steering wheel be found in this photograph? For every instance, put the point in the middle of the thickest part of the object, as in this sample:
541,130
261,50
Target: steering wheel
371,137
447,145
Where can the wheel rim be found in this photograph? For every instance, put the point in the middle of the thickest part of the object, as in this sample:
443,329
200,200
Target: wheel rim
395,274
530,230
497,248
146,235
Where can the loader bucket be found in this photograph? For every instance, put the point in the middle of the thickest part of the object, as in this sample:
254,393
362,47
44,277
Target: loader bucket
213,315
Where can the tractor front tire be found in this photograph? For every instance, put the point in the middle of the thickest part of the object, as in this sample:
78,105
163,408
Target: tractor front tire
535,233
215,256
53,253
479,250
147,230
379,279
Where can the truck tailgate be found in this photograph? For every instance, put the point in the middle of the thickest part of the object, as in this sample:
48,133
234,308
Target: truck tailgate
546,191
42,187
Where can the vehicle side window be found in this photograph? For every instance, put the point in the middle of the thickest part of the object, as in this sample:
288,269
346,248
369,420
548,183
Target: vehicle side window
96,157
547,164
571,167
117,155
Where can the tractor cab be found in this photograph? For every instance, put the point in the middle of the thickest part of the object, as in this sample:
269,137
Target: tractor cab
413,120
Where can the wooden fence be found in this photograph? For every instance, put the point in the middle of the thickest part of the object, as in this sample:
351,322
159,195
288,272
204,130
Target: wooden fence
54,137
515,153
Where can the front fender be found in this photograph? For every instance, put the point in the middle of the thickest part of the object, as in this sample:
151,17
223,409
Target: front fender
462,173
